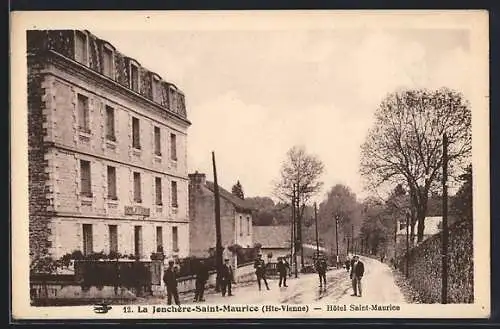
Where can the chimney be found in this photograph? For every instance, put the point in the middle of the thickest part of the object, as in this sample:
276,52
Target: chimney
196,180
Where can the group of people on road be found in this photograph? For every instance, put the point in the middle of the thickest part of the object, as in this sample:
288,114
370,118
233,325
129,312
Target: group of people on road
354,266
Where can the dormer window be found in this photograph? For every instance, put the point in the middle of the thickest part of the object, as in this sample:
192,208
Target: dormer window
108,61
156,87
172,99
134,76
81,47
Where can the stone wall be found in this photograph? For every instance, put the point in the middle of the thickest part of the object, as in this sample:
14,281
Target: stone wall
424,266
38,202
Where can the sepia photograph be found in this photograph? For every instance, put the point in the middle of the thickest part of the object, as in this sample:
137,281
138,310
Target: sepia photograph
259,164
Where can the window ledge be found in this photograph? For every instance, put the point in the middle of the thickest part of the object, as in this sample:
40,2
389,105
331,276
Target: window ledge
85,132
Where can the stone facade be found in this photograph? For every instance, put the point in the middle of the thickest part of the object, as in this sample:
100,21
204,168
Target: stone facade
236,218
88,176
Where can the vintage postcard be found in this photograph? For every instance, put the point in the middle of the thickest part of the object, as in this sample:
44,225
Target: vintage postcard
250,164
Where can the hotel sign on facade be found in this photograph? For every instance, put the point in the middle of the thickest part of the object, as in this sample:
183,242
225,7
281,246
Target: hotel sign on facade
137,211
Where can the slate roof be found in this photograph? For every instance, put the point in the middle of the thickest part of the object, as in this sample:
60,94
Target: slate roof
239,204
272,236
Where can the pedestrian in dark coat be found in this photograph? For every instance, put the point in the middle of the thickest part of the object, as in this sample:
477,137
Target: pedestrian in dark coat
357,272
227,278
260,271
321,268
201,280
170,280
282,270
347,264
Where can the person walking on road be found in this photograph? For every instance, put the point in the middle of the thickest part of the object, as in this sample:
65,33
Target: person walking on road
170,280
282,270
321,268
347,264
201,280
357,271
260,271
227,278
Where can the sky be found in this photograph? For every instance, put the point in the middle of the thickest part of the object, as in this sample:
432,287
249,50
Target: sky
253,94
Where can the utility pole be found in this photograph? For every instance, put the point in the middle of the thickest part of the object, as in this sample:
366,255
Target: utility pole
337,240
292,231
347,250
218,245
316,223
395,238
407,243
295,232
300,236
444,266
352,240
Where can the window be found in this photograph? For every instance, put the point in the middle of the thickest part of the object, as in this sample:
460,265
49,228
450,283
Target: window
173,147
88,246
136,141
158,191
137,187
81,47
241,225
157,141
107,62
175,239
159,239
248,225
85,180
157,94
110,124
112,183
83,114
138,241
134,77
174,194
113,238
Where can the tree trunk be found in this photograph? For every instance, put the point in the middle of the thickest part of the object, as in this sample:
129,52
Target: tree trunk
421,224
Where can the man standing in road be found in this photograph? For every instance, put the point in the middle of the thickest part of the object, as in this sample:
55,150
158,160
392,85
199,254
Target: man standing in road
321,268
170,280
357,271
201,280
282,270
260,271
227,278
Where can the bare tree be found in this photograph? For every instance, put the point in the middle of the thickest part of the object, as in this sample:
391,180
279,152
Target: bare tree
302,170
405,143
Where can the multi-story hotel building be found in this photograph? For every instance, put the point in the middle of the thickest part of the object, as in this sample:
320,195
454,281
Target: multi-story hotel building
107,151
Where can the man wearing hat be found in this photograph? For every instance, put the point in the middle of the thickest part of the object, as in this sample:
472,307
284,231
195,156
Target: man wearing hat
227,278
357,271
170,279
260,271
282,269
201,280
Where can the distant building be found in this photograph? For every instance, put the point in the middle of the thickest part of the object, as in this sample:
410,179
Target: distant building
432,226
274,240
107,151
236,218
